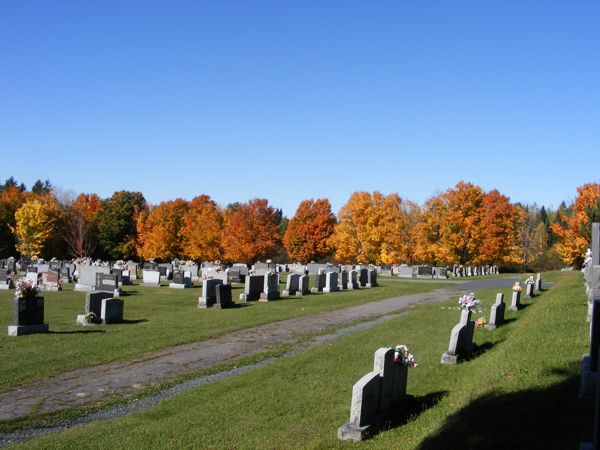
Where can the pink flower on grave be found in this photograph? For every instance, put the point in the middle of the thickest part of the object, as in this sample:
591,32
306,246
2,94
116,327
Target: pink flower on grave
403,356
25,289
468,301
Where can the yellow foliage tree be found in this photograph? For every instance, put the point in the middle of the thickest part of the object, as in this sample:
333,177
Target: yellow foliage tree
34,224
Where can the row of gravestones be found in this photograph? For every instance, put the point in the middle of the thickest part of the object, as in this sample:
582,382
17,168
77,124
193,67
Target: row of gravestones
473,271
265,287
379,392
589,384
461,336
421,272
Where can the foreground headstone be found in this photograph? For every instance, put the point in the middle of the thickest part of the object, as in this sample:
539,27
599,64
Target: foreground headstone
538,282
292,286
461,339
589,362
497,312
375,395
515,303
331,282
28,316
320,280
112,310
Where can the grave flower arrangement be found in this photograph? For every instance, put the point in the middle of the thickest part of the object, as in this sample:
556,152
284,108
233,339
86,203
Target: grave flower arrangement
403,356
530,280
25,289
517,287
90,318
480,323
469,302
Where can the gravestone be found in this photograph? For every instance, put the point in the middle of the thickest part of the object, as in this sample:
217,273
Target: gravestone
440,272
292,286
223,296
304,283
52,281
150,277
150,265
87,277
343,279
407,272
209,293
529,290
595,244
270,288
93,302
461,339
65,274
181,280
363,277
375,396
233,275
331,282
107,282
31,274
497,312
424,272
253,287
538,282
352,280
28,316
515,303
5,280
589,363
112,310
133,268
320,279
371,278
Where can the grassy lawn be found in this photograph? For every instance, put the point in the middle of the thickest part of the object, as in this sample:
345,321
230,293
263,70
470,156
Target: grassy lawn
156,318
518,391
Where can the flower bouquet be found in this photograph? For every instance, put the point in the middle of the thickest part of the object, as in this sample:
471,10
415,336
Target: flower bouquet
403,356
469,302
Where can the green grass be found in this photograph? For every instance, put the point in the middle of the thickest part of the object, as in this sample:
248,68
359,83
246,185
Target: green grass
518,391
156,318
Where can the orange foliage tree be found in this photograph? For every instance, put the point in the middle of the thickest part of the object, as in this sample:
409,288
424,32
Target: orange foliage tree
373,228
307,234
11,198
250,232
449,232
573,242
201,230
495,229
159,231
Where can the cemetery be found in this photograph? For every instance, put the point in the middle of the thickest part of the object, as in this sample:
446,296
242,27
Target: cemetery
150,317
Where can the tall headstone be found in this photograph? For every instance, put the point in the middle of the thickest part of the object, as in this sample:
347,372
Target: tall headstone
150,277
112,310
320,279
538,282
343,279
270,287
223,296
515,303
461,339
292,286
331,282
352,280
497,312
304,283
595,243
371,278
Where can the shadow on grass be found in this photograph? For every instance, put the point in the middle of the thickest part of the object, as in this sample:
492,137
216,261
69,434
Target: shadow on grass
410,410
550,418
77,332
239,305
130,322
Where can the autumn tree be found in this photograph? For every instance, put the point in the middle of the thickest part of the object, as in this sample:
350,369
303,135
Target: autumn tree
495,229
81,228
159,231
35,222
574,232
250,232
374,228
11,199
117,224
201,230
308,232
430,246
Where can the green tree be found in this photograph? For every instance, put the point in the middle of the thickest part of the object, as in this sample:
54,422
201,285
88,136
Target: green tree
117,224
41,188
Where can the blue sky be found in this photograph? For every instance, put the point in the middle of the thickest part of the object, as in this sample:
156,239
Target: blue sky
289,100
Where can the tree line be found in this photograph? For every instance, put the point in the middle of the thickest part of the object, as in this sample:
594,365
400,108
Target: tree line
462,225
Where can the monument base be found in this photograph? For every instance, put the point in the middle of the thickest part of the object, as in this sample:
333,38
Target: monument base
20,330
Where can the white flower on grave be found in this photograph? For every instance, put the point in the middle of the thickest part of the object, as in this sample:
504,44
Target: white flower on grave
469,302
403,356
530,280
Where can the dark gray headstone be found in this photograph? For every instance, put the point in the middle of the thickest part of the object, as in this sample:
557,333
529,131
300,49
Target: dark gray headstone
28,311
224,299
93,302
106,282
